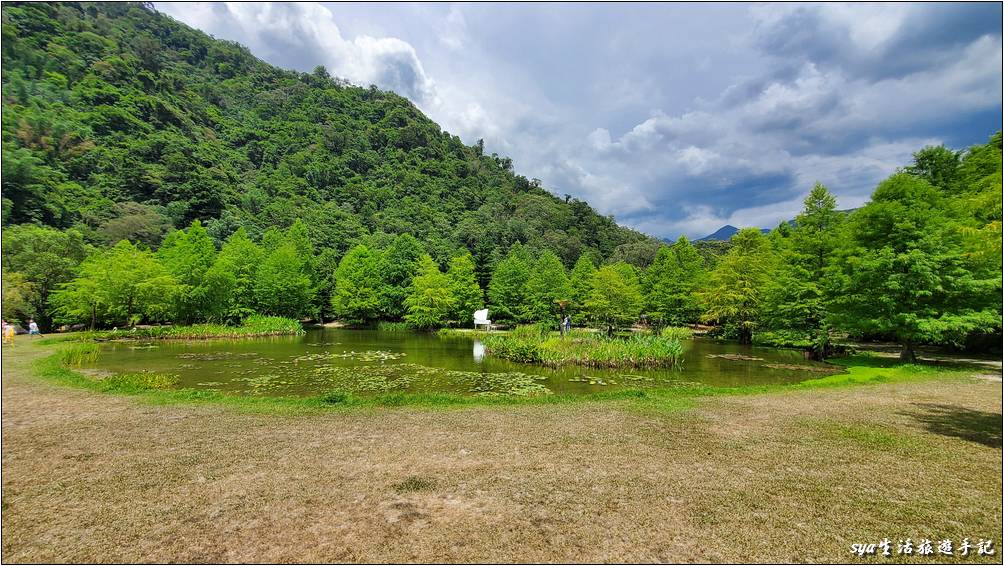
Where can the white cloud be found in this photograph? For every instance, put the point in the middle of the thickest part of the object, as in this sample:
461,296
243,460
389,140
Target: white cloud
673,119
453,33
289,33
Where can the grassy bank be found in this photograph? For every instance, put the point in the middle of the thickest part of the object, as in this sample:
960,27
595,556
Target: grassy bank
254,325
535,345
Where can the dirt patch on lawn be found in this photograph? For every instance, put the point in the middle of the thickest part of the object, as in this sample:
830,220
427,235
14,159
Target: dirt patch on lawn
796,476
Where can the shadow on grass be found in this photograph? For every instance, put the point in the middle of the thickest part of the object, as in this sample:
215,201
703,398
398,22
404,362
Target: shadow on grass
967,424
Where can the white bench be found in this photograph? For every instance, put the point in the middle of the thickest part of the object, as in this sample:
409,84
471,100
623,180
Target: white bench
481,319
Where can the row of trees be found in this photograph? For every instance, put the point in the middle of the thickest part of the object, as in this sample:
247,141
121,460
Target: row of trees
920,263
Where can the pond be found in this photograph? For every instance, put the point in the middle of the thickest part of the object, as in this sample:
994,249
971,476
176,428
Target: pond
370,361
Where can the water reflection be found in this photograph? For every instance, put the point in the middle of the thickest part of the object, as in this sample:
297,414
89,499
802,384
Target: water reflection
479,350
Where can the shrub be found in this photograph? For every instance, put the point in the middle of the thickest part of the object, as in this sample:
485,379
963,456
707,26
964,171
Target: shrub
677,333
334,398
533,345
80,353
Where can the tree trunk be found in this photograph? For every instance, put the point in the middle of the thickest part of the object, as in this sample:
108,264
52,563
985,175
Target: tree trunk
745,335
908,355
94,316
820,349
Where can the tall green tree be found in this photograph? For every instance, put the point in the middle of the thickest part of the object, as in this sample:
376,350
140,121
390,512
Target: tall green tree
326,265
979,203
19,297
548,284
580,282
430,301
187,255
734,296
671,284
124,285
615,299
359,286
507,292
231,280
904,273
937,165
45,258
402,262
796,299
465,289
281,285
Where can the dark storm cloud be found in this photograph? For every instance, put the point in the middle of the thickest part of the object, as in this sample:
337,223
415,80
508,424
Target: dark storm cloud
925,34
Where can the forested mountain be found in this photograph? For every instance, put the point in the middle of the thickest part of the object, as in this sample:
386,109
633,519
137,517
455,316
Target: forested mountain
124,123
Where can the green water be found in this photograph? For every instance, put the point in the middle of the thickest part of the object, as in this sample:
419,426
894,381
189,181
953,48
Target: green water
370,361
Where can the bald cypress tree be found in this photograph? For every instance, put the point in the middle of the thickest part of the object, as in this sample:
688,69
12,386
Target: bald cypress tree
796,300
671,284
734,296
507,293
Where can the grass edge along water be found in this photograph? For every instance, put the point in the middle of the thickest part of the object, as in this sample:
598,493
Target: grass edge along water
254,325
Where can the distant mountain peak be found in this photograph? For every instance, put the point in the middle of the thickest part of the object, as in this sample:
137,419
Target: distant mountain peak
724,234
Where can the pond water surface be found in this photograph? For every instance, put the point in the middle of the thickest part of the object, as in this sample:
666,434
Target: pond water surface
370,361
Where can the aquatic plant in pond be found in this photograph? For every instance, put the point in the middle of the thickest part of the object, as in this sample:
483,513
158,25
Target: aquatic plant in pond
366,356
77,355
397,377
532,344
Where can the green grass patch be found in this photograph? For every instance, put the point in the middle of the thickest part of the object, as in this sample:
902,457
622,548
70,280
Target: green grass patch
137,382
415,483
535,345
467,333
254,325
867,435
51,339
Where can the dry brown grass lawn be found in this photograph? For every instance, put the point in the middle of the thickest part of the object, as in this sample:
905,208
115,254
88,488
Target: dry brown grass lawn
797,476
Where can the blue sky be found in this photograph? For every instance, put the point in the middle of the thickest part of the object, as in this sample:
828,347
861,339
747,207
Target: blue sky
675,118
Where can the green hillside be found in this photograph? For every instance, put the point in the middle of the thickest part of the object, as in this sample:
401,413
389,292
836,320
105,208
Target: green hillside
124,123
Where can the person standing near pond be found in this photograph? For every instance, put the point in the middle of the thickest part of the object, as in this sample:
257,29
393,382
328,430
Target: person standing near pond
33,328
567,324
8,333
